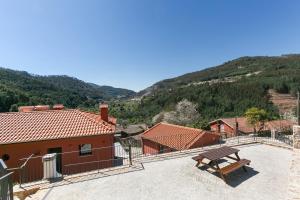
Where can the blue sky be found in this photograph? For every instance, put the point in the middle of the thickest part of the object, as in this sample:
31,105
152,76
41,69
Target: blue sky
135,43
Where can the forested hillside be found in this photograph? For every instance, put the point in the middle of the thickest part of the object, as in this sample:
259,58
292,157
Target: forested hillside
227,90
21,88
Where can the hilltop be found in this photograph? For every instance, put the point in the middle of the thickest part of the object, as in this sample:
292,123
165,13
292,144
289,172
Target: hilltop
21,88
226,90
234,70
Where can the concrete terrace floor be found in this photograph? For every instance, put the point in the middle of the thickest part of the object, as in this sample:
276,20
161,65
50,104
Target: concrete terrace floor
267,178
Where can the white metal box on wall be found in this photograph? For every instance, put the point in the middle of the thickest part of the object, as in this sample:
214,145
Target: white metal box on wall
49,166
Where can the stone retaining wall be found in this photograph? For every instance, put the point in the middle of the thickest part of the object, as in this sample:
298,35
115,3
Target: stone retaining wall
294,177
296,137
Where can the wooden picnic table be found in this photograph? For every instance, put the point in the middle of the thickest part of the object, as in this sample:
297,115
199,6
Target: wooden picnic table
215,155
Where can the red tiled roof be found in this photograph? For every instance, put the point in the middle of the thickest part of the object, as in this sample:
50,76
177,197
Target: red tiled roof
97,118
245,127
243,124
280,124
21,127
173,136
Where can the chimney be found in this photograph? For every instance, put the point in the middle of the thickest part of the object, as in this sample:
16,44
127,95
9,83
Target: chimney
26,108
33,108
104,112
58,107
41,107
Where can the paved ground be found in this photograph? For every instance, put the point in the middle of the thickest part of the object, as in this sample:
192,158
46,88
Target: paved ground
294,179
180,179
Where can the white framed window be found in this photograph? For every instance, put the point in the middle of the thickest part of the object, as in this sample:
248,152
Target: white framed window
85,149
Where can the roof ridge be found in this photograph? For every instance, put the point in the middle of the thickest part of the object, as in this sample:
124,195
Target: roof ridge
46,125
82,113
86,111
226,122
151,128
185,127
233,117
42,111
178,126
190,143
97,114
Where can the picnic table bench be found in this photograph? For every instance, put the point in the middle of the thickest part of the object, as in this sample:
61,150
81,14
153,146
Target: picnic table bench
215,155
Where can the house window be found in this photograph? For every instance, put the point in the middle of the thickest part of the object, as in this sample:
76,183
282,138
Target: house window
85,149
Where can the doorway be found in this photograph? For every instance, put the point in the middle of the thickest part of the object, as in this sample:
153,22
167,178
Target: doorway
57,150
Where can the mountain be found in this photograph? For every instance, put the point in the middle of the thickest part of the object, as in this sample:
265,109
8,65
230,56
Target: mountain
233,70
227,90
21,88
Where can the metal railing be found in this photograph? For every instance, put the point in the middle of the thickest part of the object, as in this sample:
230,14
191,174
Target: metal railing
58,165
125,152
6,185
155,149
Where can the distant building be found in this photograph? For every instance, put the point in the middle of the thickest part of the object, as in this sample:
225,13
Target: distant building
38,130
280,125
165,137
230,127
130,130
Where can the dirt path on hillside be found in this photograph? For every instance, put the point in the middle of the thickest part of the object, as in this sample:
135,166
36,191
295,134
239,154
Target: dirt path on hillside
286,103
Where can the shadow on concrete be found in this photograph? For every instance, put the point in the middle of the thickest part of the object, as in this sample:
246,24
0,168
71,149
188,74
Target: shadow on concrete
205,167
239,176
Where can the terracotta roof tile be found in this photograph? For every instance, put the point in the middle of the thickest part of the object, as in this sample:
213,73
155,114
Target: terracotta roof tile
53,124
244,126
97,118
173,136
280,124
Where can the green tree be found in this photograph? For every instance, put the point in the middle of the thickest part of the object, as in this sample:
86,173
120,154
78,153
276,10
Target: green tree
13,108
202,124
256,117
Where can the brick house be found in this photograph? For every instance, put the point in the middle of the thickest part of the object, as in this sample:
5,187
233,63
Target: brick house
230,127
165,137
281,125
38,130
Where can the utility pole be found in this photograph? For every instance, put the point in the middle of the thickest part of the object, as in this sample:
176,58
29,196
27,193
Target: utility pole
236,127
298,111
